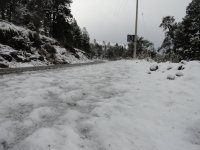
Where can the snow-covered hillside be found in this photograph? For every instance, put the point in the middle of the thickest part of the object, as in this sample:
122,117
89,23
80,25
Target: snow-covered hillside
20,47
113,106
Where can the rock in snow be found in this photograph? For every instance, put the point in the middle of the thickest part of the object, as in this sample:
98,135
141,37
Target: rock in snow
148,72
171,77
154,67
184,62
169,67
179,74
181,67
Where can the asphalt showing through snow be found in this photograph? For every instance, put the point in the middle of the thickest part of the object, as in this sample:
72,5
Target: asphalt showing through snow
38,68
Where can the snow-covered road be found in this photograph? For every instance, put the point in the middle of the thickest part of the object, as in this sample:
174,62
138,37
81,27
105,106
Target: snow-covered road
111,106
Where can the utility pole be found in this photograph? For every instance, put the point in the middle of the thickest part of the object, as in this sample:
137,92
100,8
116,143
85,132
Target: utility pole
136,28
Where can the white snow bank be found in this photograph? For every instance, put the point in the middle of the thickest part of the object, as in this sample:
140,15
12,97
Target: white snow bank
111,106
31,55
4,49
66,56
62,55
7,26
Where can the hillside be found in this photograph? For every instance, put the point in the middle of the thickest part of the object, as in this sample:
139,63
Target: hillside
21,47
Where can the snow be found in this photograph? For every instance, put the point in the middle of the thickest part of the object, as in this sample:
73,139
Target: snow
154,67
61,55
179,74
64,55
171,77
4,49
32,63
111,106
7,26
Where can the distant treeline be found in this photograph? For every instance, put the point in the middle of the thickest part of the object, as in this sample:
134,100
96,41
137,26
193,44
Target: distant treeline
116,51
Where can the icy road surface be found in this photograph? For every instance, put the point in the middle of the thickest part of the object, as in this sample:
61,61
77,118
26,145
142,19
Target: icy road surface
112,106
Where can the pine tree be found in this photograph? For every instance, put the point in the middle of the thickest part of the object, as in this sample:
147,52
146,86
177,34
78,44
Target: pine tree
182,40
191,29
77,35
85,40
144,48
169,26
50,17
3,4
8,9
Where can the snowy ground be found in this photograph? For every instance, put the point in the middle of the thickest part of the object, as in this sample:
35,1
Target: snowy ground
111,106
14,53
62,55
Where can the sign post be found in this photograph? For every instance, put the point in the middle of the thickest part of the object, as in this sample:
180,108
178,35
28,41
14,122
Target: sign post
130,38
136,27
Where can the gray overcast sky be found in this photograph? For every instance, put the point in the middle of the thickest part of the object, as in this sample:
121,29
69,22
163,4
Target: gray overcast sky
112,20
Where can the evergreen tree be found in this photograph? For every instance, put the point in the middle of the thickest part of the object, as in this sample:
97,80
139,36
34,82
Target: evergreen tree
77,35
191,29
96,49
85,40
169,25
50,17
144,48
182,40
8,9
61,15
3,5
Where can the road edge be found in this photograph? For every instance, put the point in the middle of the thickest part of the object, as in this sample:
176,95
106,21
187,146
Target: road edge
40,68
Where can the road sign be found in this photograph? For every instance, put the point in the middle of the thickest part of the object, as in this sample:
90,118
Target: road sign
130,38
